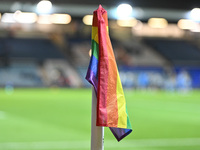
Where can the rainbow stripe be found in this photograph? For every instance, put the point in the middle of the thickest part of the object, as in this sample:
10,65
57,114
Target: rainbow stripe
103,75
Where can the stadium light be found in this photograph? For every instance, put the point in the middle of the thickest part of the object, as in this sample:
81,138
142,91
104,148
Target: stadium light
127,22
25,17
186,24
195,14
44,19
54,19
124,11
44,7
8,18
157,22
60,18
87,20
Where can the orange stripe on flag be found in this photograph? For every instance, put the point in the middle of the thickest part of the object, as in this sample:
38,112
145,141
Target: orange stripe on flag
112,86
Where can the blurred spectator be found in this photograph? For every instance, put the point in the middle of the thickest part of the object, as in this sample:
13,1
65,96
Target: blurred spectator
122,56
170,82
143,80
183,81
59,79
127,79
156,80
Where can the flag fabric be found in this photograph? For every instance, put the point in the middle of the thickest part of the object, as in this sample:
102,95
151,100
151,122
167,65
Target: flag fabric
103,75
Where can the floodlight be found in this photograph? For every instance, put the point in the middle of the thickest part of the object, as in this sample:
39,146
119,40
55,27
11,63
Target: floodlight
44,7
195,14
124,11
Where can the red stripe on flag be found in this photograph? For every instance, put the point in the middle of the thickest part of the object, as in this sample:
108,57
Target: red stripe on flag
107,96
103,13
102,75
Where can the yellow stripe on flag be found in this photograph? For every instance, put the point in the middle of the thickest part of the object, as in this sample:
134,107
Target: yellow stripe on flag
122,116
95,34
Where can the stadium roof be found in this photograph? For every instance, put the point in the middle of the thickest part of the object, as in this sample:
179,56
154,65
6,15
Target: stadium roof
162,4
171,10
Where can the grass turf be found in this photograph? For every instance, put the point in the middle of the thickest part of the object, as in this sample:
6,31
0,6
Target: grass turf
45,115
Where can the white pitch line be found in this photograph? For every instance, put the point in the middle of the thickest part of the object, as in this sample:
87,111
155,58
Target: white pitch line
157,142
44,145
109,143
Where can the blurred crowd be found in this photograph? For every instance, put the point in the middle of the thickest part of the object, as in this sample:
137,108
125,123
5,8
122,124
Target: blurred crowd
180,81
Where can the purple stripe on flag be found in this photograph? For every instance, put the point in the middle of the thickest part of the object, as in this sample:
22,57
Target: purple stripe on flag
90,77
120,133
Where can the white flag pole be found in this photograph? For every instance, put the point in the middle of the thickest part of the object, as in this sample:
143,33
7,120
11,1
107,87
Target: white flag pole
97,133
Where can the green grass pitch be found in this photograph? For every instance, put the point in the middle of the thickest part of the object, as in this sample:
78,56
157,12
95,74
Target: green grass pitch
58,119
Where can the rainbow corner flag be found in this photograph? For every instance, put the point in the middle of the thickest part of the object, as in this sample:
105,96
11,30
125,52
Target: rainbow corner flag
103,75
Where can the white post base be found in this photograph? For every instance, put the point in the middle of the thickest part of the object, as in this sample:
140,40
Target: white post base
97,133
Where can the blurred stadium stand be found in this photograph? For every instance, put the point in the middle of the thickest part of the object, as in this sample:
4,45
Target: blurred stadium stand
21,74
179,52
49,54
43,62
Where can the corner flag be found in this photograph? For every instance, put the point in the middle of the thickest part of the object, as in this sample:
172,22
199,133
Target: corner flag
103,75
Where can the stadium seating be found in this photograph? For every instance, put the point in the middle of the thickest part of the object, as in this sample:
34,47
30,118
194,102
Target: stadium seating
34,48
45,64
178,52
58,72
20,74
